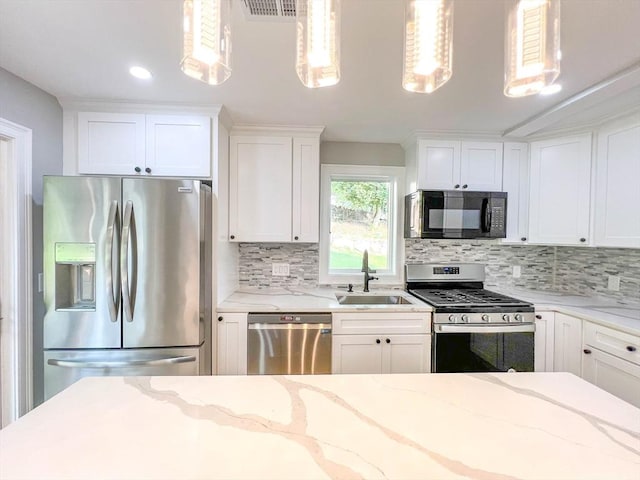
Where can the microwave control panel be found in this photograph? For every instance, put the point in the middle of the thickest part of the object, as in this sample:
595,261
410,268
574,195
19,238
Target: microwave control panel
497,218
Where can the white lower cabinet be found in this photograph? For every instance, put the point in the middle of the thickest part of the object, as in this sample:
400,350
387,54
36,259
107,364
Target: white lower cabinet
611,360
381,343
567,344
543,342
232,343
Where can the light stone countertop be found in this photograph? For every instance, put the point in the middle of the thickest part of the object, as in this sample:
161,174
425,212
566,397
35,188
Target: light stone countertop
321,299
422,426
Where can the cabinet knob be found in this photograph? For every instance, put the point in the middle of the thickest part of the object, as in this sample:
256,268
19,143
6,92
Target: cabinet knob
465,185
148,170
587,351
539,317
295,238
388,340
232,237
631,348
220,319
524,239
138,169
457,185
377,340
583,240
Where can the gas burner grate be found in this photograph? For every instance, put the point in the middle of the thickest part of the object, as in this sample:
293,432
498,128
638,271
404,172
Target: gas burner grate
464,297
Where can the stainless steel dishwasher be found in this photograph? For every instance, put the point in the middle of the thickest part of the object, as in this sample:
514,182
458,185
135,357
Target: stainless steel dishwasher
288,343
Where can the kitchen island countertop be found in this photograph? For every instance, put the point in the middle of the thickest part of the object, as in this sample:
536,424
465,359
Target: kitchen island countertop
422,426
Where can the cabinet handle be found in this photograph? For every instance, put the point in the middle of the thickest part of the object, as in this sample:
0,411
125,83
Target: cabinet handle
138,169
524,239
148,170
465,185
295,238
631,348
587,351
457,185
232,237
377,340
220,319
539,317
388,340
583,240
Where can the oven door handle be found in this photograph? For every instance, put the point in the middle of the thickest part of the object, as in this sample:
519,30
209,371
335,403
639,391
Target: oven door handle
526,328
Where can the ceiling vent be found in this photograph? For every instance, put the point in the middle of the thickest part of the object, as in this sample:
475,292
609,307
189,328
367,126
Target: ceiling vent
278,10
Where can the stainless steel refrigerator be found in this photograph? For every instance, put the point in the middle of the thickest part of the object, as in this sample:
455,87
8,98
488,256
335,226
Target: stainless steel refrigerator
127,278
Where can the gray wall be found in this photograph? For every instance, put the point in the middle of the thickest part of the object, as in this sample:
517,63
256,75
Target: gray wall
31,107
351,153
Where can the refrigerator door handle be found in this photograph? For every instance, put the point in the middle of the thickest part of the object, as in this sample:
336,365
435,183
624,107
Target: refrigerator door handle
120,364
124,261
113,298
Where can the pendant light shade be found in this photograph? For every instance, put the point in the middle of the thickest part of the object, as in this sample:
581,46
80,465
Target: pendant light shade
318,42
207,40
428,39
532,46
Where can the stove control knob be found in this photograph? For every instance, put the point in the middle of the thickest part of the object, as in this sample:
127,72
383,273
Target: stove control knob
452,318
465,318
518,317
506,318
485,318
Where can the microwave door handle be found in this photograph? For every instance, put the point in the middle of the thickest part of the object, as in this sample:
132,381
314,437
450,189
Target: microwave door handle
486,216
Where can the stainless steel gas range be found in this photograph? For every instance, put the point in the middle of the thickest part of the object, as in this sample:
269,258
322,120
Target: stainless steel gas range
473,329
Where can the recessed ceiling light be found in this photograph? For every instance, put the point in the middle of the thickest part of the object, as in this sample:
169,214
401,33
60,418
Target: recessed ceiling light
140,72
551,89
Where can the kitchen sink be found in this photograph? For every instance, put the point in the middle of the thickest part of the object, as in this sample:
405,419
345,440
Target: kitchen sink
371,300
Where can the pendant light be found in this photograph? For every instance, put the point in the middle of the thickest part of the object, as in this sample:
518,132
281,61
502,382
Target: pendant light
318,42
428,44
207,40
532,46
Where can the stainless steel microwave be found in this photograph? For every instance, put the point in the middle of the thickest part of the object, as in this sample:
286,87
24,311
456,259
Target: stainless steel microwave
455,214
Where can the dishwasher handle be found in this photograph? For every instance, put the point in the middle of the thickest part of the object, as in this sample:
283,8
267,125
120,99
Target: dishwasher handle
326,328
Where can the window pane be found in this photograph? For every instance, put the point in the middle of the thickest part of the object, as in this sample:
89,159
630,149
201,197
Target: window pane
359,221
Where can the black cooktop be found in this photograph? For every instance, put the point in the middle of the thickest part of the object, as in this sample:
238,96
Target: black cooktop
466,297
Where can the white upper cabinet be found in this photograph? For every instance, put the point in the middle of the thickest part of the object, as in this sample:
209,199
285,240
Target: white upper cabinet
560,191
617,219
274,188
455,165
515,181
137,144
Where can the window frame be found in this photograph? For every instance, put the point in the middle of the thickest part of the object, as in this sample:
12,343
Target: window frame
393,175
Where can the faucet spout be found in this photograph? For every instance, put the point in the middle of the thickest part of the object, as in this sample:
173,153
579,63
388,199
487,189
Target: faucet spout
367,271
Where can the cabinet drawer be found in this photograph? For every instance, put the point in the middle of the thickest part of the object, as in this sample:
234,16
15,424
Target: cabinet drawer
620,344
381,323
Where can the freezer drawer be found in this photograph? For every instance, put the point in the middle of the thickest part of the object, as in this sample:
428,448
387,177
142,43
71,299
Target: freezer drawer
64,367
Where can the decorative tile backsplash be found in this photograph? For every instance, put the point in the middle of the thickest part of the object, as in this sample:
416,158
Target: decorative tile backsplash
571,269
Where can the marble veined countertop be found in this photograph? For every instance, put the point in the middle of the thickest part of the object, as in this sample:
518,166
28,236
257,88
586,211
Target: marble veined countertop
422,426
321,299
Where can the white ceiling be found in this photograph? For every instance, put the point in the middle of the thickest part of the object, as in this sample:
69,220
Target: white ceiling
84,48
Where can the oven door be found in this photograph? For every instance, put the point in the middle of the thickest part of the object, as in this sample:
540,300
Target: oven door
452,214
482,348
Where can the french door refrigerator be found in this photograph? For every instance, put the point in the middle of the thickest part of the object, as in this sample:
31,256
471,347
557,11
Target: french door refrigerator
127,278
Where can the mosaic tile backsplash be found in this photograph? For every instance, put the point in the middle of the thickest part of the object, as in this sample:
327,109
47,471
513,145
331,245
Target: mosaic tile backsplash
571,269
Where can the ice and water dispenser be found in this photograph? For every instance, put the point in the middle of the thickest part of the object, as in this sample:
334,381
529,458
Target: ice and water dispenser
75,276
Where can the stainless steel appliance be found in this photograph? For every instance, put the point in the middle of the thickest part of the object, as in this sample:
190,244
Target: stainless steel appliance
288,343
127,270
455,214
473,329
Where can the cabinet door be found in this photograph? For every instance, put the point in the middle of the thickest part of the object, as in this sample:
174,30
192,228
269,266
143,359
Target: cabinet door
567,351
232,344
178,146
543,342
560,191
260,189
617,222
515,181
110,143
438,165
356,354
616,376
481,166
406,353
306,189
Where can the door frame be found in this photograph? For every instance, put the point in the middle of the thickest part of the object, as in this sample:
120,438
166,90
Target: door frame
16,286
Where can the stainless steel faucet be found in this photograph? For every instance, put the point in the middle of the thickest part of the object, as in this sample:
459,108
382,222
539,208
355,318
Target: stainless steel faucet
367,271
